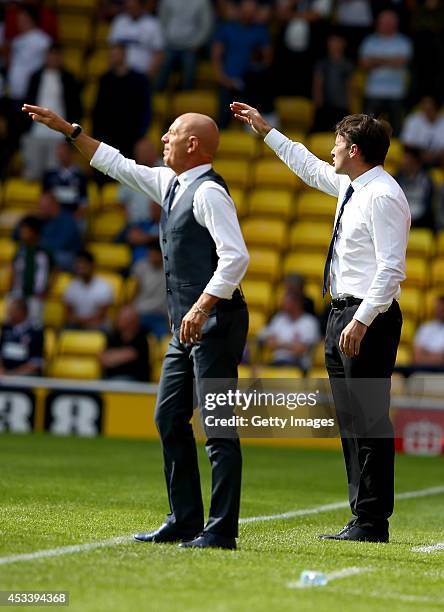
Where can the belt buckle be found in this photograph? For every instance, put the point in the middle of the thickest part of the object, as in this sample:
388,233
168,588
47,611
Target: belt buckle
341,303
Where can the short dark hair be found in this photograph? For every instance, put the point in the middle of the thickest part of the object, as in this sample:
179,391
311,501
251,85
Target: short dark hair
86,255
32,222
370,135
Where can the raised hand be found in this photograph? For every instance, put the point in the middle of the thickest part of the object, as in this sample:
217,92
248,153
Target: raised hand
48,118
251,116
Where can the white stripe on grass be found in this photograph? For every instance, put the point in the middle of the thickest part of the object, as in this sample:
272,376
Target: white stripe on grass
389,595
342,573
429,549
77,548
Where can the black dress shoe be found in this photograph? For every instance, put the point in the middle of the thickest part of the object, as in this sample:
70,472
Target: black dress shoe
334,536
166,533
360,534
210,540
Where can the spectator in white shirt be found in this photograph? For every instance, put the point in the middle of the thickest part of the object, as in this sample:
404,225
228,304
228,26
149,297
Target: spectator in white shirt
87,297
28,52
292,333
428,351
424,129
142,36
365,265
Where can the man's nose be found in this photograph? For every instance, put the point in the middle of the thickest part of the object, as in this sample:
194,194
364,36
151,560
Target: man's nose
164,138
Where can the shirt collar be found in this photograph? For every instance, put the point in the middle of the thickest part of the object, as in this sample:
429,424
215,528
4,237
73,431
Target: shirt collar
189,176
365,178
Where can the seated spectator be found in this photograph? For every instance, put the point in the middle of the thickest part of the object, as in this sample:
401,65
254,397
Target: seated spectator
292,333
418,188
53,87
123,92
140,32
428,345
142,234
150,301
332,85
68,183
184,32
135,203
424,129
235,44
21,343
32,266
126,356
60,234
295,283
87,297
354,19
385,56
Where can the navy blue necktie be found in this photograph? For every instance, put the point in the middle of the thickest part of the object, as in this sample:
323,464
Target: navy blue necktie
171,194
348,195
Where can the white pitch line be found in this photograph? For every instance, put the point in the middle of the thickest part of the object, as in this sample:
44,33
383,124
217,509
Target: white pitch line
389,595
66,550
428,549
342,573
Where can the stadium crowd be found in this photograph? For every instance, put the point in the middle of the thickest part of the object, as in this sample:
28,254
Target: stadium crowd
339,56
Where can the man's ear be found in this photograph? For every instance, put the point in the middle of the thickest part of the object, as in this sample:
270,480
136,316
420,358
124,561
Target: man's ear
353,151
193,143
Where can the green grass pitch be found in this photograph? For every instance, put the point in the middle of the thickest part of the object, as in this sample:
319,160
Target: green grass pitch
64,491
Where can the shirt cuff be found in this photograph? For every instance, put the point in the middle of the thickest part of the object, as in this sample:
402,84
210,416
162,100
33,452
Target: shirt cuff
274,139
366,313
100,159
219,289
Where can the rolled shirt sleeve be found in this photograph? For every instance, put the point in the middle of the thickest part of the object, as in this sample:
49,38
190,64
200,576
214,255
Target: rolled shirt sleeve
215,210
305,165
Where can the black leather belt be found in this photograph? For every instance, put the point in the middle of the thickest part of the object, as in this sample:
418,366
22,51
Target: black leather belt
341,303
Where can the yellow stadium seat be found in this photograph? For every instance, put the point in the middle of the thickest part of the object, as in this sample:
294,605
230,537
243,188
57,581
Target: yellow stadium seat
309,236
80,368
111,256
49,343
295,136
73,342
437,175
264,264
54,314
94,201
395,152
316,206
404,356
408,331
110,194
240,201
235,172
9,219
417,272
259,231
8,249
97,64
161,104
276,203
316,373
117,284
206,75
5,279
421,243
282,372
2,310
259,294
295,111
235,144
429,305
310,266
244,371
59,284
321,144
438,273
410,302
76,5
130,289
89,96
272,173
440,244
75,29
21,194
319,355
105,226
204,102
101,33
257,320
73,59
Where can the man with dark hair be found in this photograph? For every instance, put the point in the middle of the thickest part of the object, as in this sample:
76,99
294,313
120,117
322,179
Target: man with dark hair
205,259
364,267
418,187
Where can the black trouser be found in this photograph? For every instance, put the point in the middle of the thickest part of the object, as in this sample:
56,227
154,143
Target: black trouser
215,357
369,460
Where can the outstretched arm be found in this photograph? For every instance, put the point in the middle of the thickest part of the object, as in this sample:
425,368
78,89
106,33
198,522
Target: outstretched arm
84,143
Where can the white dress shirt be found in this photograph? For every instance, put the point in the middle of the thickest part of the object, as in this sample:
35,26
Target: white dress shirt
369,256
212,208
418,131
142,38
